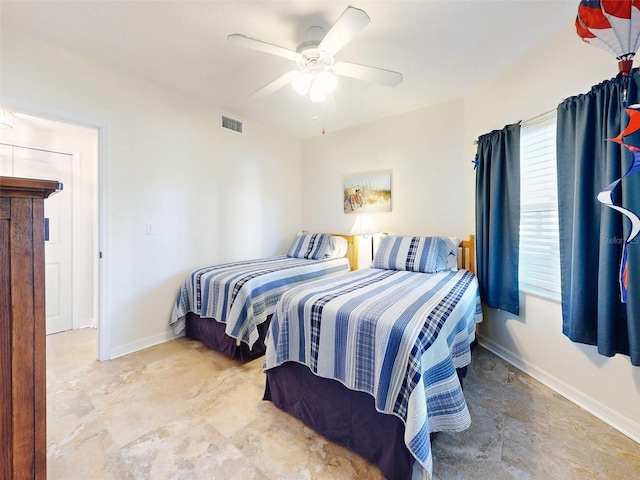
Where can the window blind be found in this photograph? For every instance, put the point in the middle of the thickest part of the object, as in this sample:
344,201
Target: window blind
539,268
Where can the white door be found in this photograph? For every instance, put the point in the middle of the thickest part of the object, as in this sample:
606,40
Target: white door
58,209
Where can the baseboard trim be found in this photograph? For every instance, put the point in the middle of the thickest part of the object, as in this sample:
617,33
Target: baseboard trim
604,413
141,344
85,323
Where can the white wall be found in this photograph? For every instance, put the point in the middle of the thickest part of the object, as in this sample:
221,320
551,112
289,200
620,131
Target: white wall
425,153
609,387
212,195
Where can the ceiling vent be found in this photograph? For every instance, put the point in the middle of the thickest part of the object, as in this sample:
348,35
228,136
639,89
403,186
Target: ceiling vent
231,124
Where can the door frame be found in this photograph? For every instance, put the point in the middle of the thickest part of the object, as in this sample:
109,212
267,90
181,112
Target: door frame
103,241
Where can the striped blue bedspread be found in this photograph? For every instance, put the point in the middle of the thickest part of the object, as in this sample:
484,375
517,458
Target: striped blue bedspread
243,294
396,335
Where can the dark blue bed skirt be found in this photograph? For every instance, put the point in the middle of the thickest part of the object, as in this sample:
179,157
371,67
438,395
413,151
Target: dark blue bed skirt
211,333
344,416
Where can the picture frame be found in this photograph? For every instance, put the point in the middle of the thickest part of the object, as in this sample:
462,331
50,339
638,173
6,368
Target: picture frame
367,192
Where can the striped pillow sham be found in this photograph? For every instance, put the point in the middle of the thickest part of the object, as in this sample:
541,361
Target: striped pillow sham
312,246
414,254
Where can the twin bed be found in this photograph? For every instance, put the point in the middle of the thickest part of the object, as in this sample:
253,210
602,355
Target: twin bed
228,306
372,359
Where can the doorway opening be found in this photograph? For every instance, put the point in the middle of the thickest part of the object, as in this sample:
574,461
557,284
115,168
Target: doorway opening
42,148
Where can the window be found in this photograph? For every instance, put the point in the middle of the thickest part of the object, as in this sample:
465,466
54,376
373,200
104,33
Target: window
539,268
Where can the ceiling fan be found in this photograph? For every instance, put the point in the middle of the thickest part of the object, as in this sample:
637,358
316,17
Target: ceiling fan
315,60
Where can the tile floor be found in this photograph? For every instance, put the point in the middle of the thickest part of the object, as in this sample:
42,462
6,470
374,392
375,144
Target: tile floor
181,411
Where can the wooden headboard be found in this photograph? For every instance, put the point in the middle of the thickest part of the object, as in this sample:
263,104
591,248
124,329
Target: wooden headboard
467,254
352,249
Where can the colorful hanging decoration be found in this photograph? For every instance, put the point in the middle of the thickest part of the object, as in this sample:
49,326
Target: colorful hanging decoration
606,195
613,25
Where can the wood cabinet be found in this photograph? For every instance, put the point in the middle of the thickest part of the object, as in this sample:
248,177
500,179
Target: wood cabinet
23,448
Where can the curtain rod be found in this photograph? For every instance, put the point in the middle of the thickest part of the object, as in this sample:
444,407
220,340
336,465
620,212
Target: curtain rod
530,120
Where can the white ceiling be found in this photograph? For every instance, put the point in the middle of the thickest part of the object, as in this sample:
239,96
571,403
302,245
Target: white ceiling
444,49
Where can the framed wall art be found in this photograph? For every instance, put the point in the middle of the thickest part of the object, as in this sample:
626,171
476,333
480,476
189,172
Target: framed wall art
368,192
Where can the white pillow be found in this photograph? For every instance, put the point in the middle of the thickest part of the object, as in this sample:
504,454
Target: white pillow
452,258
337,247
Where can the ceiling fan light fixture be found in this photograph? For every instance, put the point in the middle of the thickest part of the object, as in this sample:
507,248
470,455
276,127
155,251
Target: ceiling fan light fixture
328,81
315,58
301,83
316,93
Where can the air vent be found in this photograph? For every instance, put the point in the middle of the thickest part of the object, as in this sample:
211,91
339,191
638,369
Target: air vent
231,124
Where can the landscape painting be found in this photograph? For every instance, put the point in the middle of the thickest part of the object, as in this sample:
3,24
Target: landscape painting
368,192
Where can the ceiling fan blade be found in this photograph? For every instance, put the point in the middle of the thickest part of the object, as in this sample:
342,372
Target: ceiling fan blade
350,22
369,74
275,85
254,44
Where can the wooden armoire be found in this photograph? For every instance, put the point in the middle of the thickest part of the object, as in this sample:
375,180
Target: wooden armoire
23,450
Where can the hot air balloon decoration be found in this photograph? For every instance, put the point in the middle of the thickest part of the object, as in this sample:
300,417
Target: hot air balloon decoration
613,25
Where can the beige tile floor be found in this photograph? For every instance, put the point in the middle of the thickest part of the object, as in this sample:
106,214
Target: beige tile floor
182,411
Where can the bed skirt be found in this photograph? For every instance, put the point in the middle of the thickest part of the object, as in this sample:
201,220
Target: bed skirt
344,416
212,334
